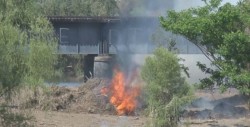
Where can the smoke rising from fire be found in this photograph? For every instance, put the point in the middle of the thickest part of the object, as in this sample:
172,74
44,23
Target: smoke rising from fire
134,46
132,41
144,7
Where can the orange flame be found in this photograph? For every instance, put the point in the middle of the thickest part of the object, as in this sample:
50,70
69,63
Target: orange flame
123,96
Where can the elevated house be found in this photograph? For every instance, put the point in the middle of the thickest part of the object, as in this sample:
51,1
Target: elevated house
101,38
102,35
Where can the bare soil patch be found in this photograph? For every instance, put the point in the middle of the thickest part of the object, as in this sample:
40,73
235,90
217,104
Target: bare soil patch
62,119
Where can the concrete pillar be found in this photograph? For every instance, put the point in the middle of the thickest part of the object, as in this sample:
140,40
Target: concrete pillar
103,66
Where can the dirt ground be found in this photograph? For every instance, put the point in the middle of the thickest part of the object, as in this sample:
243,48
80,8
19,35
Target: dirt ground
61,119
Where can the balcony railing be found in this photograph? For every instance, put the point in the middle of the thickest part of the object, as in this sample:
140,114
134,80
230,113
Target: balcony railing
78,49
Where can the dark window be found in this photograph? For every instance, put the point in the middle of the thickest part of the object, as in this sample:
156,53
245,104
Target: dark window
64,35
113,36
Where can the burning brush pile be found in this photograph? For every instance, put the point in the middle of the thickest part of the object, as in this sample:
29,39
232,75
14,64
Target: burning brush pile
118,96
123,92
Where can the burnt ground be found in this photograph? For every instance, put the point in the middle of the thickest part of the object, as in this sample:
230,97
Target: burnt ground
229,109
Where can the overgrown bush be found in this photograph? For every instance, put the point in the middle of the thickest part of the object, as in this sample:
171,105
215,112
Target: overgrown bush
27,52
78,7
167,90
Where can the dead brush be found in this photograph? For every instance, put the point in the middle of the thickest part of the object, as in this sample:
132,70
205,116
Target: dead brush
13,111
15,118
26,97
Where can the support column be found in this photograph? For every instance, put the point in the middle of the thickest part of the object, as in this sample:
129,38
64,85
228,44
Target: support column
103,66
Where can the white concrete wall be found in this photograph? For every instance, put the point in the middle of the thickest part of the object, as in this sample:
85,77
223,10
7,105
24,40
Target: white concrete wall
190,62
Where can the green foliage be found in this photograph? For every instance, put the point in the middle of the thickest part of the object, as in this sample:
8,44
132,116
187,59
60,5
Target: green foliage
78,7
17,13
26,45
222,34
162,39
166,89
11,56
40,58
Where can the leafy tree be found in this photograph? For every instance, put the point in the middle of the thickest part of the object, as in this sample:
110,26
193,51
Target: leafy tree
26,45
222,34
78,7
166,89
26,53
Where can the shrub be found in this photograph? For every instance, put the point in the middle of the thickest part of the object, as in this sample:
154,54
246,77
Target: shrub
167,90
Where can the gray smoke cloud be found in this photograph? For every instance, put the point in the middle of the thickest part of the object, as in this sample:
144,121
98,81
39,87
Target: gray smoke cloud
158,7
144,7
132,39
135,42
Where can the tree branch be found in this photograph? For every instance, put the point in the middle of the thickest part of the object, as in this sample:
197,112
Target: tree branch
207,54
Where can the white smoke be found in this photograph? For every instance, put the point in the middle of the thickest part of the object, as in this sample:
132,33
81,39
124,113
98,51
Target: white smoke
140,40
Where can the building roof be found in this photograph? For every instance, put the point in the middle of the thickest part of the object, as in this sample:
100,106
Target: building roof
99,19
82,19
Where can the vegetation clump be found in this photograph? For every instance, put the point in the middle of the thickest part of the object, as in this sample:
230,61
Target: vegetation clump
167,90
27,48
78,7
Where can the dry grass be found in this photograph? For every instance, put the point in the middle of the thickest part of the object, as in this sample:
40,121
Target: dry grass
78,99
